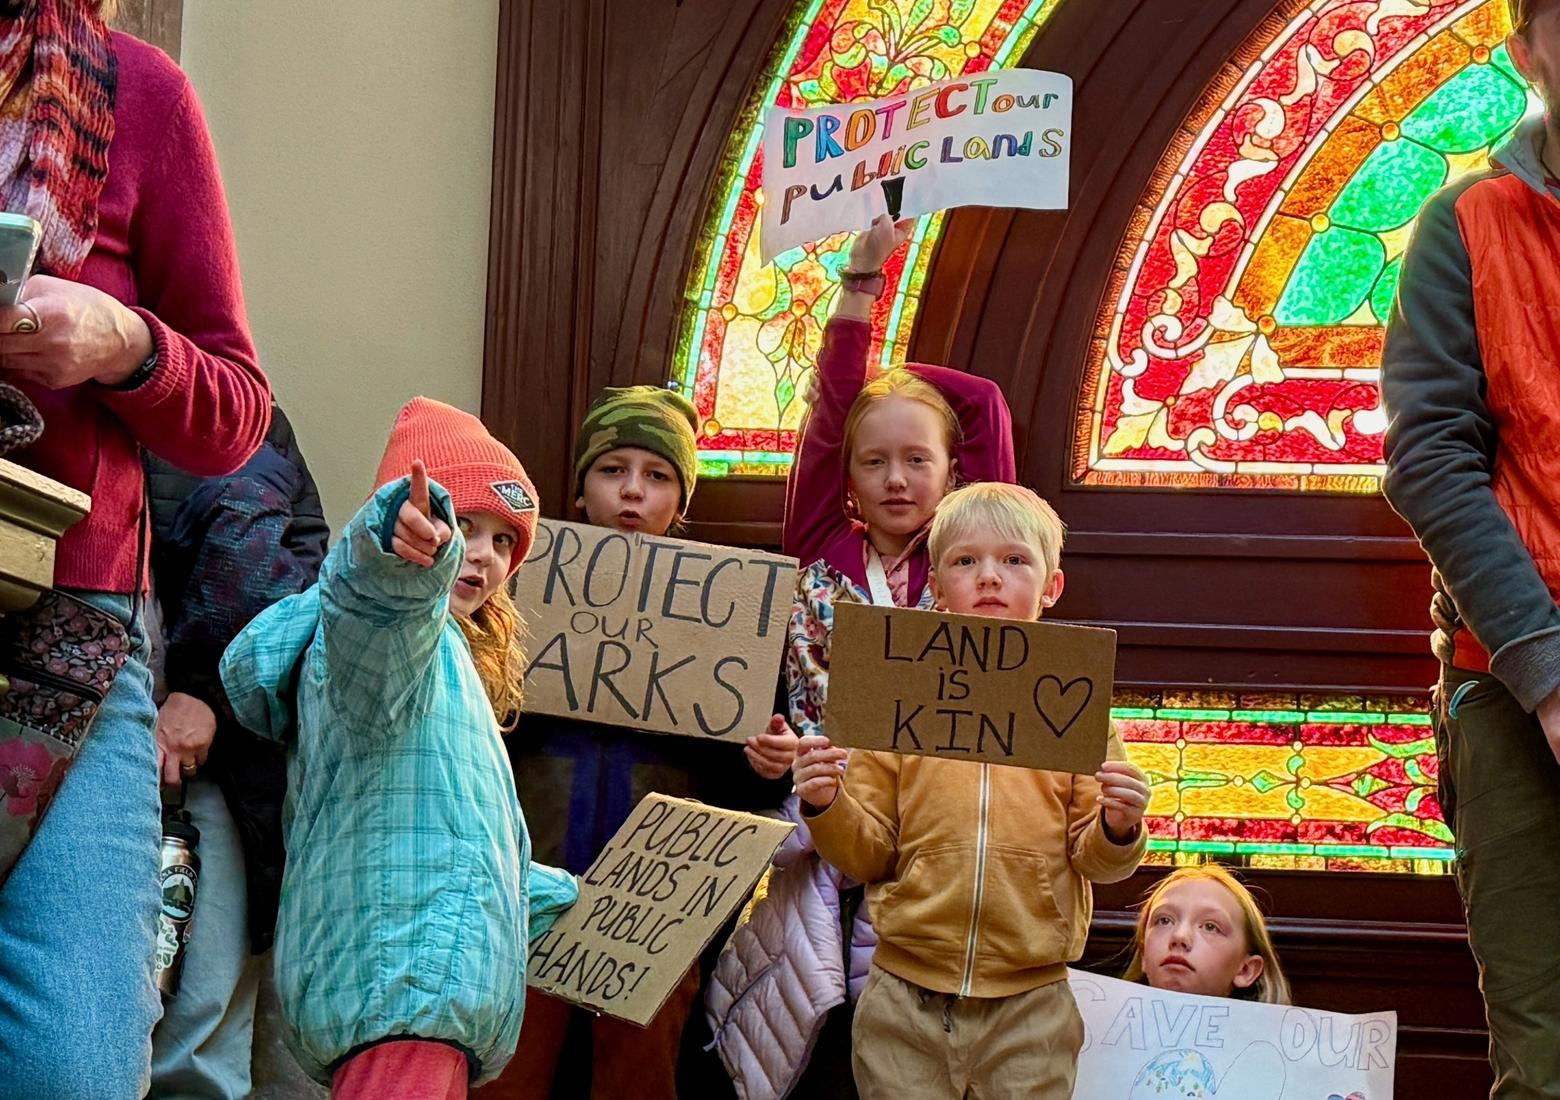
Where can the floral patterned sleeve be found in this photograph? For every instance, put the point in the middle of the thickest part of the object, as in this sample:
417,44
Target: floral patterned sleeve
807,648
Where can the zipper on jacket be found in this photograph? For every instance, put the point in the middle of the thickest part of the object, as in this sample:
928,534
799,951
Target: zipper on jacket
980,881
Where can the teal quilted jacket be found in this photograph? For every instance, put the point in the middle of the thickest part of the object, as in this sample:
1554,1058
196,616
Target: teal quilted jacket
409,897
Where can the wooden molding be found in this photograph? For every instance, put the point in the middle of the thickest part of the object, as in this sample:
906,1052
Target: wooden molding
34,512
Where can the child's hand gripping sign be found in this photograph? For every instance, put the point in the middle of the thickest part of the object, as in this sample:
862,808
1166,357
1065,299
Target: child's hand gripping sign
418,532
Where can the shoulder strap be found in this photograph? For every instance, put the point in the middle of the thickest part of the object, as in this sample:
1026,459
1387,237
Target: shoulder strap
877,579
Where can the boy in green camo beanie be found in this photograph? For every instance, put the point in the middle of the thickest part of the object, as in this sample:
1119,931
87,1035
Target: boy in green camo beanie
647,418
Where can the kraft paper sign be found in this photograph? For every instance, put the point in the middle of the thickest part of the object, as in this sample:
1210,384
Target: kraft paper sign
1143,1044
991,139
654,633
658,893
965,687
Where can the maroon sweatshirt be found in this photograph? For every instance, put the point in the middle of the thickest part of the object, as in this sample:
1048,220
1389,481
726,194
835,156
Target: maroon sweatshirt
816,524
164,247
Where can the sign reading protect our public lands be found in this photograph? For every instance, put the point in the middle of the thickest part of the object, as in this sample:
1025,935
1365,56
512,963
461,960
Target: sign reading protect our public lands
989,139
656,894
653,633
967,687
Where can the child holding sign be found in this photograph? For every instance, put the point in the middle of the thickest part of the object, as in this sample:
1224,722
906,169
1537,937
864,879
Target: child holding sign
981,872
409,897
635,468
873,460
1201,931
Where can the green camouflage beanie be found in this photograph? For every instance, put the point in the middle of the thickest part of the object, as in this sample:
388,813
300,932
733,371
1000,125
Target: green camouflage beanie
658,420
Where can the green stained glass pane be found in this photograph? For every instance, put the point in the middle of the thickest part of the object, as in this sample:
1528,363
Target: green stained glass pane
1389,188
1334,276
1467,112
1386,290
1501,57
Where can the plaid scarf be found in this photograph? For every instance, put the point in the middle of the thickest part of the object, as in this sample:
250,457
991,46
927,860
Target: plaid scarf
57,82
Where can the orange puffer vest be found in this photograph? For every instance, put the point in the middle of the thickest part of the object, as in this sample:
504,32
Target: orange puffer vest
1513,238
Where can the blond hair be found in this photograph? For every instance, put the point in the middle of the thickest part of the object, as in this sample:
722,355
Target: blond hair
900,382
1007,511
493,631
1271,987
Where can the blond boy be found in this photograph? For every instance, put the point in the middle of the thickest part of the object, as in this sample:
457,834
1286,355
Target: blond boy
980,874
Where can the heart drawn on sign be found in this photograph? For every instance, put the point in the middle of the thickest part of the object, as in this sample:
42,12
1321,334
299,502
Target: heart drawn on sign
1059,704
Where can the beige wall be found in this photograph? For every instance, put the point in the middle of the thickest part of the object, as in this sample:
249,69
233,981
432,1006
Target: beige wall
355,138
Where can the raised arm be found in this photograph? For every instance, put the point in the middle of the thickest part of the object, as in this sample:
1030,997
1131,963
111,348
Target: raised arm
815,490
384,598
985,450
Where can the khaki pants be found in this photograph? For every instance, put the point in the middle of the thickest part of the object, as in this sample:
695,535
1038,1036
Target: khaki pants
911,1042
1500,790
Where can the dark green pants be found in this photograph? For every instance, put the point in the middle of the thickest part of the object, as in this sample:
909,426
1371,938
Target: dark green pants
1500,788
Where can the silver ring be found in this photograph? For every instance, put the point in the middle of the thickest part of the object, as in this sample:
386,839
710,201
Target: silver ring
31,323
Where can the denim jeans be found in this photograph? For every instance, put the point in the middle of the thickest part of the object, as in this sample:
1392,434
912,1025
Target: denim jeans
203,1048
77,915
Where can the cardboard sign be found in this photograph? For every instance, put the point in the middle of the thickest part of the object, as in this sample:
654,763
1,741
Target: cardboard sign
654,897
966,687
653,633
1144,1044
989,139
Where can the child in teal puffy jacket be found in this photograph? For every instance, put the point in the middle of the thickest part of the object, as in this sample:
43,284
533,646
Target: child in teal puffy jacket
409,898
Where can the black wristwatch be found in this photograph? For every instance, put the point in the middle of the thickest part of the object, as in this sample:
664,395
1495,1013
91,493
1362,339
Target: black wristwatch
139,376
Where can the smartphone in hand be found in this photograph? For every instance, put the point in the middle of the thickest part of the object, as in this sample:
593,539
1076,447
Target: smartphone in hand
19,236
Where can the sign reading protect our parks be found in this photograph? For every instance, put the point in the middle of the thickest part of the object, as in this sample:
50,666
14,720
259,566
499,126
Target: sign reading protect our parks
653,633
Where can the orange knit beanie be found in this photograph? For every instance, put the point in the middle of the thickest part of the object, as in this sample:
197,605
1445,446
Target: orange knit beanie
481,474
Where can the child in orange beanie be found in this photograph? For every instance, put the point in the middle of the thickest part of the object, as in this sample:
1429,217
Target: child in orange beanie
409,898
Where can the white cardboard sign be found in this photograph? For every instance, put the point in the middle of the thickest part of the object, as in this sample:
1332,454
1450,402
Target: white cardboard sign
1145,1044
986,139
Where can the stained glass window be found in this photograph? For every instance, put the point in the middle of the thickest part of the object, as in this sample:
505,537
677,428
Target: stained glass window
1288,781
750,333
1242,331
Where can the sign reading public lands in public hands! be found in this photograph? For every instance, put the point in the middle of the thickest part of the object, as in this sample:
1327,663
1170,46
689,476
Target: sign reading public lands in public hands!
658,892
992,139
1150,1044
654,633
967,687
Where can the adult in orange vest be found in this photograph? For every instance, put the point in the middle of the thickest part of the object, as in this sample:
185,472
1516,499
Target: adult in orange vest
1471,380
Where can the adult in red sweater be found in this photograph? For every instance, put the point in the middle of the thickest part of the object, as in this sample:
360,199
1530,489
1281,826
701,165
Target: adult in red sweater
133,335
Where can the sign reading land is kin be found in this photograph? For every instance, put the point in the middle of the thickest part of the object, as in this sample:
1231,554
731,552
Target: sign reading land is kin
655,633
653,898
989,139
1150,1044
967,687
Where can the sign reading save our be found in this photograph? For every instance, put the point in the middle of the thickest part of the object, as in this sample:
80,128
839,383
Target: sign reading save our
654,633
989,139
967,687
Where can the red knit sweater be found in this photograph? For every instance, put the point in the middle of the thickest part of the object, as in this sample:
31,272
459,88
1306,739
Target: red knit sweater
164,247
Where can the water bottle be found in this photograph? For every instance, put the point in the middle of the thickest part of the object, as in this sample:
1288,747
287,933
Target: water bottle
179,879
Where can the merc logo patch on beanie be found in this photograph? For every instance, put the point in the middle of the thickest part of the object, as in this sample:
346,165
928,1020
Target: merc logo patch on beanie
513,494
